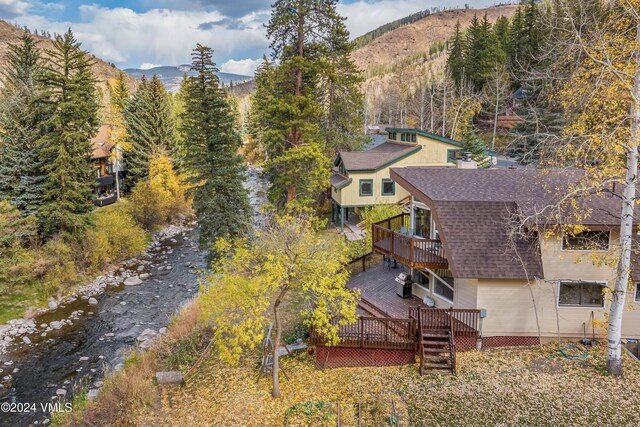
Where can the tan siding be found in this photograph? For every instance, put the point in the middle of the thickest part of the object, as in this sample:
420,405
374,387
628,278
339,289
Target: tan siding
433,153
466,293
510,311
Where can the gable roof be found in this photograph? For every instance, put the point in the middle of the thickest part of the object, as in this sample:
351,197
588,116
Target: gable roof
377,158
427,135
101,147
472,209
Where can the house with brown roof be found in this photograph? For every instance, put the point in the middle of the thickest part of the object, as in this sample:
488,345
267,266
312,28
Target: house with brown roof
109,173
362,178
459,247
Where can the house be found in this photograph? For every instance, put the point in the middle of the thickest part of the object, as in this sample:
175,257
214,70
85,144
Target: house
457,275
362,178
106,169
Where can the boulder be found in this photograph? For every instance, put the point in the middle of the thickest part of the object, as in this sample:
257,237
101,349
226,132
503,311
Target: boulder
93,393
61,392
133,281
53,305
56,324
93,301
26,340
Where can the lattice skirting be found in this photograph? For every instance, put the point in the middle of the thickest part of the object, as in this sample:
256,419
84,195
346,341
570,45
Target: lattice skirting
465,343
490,342
346,357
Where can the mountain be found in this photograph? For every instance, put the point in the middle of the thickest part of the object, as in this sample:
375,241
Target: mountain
102,70
171,76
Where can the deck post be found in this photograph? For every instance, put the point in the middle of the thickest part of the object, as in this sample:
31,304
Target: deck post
342,218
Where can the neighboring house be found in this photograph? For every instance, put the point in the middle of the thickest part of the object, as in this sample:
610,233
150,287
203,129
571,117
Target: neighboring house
456,243
106,169
362,178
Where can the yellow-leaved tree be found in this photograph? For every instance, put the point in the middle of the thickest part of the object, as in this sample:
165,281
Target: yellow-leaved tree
597,48
254,279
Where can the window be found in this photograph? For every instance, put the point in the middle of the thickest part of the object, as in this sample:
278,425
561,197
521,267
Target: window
453,155
586,241
580,294
403,137
422,222
388,187
421,278
366,187
637,293
413,137
392,135
444,288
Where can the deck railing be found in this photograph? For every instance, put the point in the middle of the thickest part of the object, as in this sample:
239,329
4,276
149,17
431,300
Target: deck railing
415,252
374,332
463,322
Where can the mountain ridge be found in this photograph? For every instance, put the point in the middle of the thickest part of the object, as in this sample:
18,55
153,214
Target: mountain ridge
171,75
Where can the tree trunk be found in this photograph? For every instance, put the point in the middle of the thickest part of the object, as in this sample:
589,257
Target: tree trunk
495,116
276,343
614,332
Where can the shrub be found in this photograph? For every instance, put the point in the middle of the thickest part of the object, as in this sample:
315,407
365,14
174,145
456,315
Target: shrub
115,237
160,198
17,234
373,214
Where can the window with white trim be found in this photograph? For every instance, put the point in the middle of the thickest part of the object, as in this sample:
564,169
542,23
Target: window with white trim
444,288
580,294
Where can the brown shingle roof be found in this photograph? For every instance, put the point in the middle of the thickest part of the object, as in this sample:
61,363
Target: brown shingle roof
472,208
338,180
376,157
100,143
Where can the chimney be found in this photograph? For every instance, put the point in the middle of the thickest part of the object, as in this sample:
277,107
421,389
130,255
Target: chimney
467,162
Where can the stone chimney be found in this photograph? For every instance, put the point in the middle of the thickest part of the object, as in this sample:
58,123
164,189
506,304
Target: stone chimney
467,162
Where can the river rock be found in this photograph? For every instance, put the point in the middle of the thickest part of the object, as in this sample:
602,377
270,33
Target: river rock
53,305
26,340
170,377
61,392
93,393
84,358
56,324
132,281
144,275
147,334
43,325
93,301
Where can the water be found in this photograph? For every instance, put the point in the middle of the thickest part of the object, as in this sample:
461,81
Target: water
79,354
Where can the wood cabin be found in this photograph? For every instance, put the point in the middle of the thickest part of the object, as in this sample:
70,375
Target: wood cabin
107,169
362,178
455,276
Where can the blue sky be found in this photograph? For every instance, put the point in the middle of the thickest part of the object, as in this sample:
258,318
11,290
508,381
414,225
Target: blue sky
143,33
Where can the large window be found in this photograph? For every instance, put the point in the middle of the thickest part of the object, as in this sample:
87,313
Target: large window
413,137
403,137
586,241
422,224
580,294
421,278
366,187
388,187
444,289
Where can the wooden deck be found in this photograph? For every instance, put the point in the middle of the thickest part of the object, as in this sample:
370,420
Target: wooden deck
378,287
389,237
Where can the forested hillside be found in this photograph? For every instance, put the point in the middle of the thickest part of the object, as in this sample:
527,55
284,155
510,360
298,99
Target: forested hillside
104,71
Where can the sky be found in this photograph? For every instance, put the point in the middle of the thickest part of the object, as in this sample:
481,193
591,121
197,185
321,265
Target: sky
146,33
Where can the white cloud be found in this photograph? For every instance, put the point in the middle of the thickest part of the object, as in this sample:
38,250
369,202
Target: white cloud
158,36
12,8
148,66
245,67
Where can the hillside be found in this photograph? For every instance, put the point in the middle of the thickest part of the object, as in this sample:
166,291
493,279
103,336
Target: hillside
171,76
101,69
418,37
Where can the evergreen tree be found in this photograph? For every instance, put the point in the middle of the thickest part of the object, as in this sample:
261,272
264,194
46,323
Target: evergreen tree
456,60
309,41
22,117
483,52
120,93
150,124
71,99
212,163
478,149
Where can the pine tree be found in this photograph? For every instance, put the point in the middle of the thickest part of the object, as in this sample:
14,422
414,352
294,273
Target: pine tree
120,93
477,148
150,123
483,52
71,98
456,61
22,116
212,163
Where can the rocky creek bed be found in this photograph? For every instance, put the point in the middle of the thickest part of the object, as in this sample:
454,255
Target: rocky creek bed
72,343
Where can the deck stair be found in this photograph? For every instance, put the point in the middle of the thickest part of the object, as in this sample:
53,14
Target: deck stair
437,352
